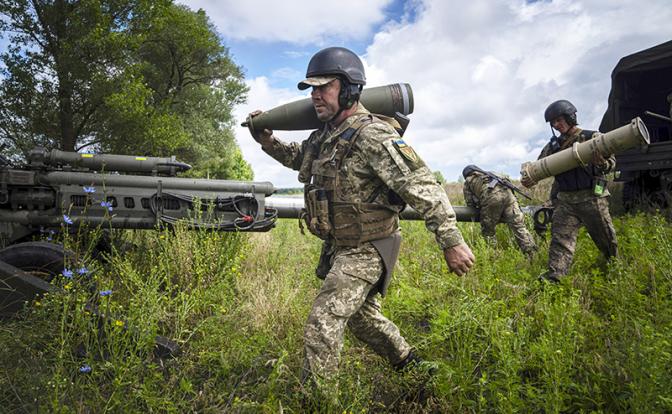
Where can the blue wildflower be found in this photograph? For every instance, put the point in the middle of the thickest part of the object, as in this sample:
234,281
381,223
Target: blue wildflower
85,369
105,292
107,205
67,273
90,190
82,271
67,219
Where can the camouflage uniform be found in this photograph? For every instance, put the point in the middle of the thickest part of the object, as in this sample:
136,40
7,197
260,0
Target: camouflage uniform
497,204
378,164
575,204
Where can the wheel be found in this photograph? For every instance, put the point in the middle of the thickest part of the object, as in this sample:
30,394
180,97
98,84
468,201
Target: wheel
39,259
631,196
42,259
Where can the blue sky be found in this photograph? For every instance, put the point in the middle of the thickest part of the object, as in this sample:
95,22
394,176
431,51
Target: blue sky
482,71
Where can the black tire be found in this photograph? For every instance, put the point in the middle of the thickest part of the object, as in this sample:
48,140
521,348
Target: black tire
631,196
42,259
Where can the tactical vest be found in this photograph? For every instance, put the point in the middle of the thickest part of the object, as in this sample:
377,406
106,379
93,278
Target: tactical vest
579,178
330,212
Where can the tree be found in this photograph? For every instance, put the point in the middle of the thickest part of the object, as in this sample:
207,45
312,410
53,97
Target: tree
59,67
123,76
191,74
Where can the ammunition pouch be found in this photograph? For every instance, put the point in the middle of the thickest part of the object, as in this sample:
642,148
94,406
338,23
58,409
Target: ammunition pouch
356,223
311,152
317,212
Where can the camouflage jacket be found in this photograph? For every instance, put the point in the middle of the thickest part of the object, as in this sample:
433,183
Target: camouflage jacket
477,187
580,195
380,161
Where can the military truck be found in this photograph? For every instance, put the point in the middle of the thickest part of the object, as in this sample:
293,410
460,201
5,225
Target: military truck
641,86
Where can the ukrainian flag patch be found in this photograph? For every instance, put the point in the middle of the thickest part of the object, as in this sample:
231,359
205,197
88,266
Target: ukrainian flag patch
405,150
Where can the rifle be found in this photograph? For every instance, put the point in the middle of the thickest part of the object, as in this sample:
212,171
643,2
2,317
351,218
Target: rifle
503,181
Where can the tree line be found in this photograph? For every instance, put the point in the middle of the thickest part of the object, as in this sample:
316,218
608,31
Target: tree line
146,77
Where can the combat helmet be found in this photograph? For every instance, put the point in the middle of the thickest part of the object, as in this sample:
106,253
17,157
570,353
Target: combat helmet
336,62
561,108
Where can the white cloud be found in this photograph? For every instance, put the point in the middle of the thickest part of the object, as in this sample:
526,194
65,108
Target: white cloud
295,21
483,72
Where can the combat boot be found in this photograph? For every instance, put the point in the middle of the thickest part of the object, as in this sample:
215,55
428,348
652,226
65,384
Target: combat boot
413,363
418,375
548,277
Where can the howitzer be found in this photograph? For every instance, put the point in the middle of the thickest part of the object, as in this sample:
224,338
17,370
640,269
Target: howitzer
107,190
58,190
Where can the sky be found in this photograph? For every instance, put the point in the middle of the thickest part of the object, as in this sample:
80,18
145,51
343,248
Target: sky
482,71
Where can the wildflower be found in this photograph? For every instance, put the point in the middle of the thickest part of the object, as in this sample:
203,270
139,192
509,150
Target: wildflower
85,369
67,286
82,271
107,205
67,219
105,292
89,190
118,323
67,273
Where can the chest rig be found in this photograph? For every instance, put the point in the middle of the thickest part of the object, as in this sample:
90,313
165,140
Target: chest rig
331,212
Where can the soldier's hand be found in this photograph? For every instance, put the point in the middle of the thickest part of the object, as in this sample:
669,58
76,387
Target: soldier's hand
264,137
459,258
598,160
526,181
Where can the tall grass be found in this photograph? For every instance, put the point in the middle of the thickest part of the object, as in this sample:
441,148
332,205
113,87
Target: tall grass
236,304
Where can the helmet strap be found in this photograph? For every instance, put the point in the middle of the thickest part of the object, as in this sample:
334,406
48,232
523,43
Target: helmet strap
347,96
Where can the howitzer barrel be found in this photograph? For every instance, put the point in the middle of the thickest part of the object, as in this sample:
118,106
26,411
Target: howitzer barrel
106,162
579,154
167,183
291,208
300,115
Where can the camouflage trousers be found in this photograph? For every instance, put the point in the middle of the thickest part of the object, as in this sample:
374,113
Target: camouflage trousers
567,219
501,206
347,298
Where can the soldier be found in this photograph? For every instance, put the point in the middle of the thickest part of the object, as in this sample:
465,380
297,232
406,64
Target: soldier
580,195
356,171
497,204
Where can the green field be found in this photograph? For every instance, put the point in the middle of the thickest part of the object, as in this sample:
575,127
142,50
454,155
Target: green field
236,303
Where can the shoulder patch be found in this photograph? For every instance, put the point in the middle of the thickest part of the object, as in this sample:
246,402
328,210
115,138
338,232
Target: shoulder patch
405,150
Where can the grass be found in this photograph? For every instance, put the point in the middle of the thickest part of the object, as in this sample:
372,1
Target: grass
236,304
